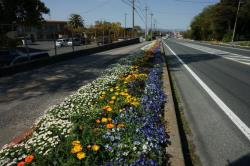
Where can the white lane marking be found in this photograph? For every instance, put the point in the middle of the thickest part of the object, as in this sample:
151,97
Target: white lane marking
234,118
230,47
224,54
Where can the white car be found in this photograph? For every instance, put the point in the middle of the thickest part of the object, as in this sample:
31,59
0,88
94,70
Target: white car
61,42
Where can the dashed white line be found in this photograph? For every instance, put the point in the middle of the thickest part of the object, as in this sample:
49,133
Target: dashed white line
232,116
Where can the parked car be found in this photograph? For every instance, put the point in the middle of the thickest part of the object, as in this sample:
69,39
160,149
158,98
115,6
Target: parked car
74,42
12,57
61,42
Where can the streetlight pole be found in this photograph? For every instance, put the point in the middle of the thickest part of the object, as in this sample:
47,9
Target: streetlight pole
133,15
236,19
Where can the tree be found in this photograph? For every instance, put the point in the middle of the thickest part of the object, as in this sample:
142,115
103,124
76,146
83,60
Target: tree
216,22
76,21
26,12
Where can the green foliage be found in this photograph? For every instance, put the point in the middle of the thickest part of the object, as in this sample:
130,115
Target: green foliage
27,12
76,21
216,22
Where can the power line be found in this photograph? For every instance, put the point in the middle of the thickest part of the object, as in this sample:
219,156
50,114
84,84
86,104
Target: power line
191,1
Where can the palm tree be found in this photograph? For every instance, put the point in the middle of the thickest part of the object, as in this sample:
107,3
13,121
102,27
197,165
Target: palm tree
76,21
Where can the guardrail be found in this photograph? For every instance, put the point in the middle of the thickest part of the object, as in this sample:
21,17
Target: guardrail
33,64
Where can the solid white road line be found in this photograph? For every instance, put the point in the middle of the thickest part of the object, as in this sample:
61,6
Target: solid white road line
234,118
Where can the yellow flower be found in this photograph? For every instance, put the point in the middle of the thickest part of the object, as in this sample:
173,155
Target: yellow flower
76,142
113,97
95,147
104,93
111,90
135,103
116,93
81,155
76,149
104,120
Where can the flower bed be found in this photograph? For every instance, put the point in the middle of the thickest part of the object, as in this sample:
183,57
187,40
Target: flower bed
115,120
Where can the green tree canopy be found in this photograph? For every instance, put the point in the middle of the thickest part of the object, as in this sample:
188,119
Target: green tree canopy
216,22
27,12
76,21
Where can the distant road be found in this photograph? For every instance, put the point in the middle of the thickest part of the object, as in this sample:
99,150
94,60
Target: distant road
214,84
25,96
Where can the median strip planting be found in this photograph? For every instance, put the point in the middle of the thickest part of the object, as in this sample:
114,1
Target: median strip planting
115,120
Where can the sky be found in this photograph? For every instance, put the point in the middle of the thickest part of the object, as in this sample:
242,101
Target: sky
167,14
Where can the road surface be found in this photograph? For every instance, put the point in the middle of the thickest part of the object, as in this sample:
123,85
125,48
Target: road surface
214,85
25,96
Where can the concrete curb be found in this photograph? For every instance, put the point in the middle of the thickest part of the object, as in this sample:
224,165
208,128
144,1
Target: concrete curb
175,147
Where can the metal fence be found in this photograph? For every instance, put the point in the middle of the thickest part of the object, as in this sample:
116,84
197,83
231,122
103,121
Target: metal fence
19,44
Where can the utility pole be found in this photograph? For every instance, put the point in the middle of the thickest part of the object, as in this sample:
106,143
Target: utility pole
146,26
151,26
236,19
125,26
133,15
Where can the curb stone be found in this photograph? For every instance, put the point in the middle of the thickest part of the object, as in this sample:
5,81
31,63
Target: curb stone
175,147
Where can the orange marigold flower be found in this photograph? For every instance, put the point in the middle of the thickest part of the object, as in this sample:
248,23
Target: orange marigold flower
97,121
109,126
111,102
29,158
95,147
107,108
109,119
22,163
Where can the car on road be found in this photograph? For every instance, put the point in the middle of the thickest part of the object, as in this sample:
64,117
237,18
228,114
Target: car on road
74,42
61,42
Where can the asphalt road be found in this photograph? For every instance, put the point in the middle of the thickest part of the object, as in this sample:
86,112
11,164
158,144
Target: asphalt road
217,138
25,96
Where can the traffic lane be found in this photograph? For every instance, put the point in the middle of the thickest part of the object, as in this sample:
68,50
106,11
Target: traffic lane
218,141
240,51
25,96
229,80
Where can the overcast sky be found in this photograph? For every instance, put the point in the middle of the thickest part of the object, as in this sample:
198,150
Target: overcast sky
169,14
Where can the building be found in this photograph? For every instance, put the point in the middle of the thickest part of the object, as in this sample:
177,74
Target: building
49,31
